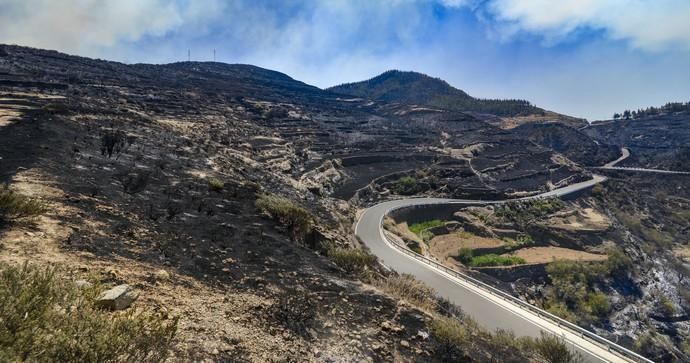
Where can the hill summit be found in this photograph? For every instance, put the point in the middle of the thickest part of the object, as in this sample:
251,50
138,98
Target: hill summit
419,88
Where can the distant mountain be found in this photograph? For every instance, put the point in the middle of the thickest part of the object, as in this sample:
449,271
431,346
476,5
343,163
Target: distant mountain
420,89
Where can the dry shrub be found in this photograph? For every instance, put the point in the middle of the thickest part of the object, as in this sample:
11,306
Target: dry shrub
298,220
17,206
295,310
45,319
352,260
406,287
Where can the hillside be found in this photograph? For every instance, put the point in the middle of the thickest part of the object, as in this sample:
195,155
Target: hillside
226,195
574,144
419,89
656,141
209,189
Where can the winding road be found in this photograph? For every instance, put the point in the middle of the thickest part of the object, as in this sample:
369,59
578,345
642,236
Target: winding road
625,153
491,308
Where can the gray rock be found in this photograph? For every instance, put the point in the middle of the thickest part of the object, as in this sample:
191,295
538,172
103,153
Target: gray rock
161,275
118,298
82,284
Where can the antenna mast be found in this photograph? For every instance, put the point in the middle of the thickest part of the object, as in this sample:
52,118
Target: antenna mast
189,55
214,54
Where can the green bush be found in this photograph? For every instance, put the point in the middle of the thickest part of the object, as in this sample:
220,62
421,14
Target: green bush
572,284
418,228
552,349
215,185
45,319
407,288
298,220
451,336
525,211
405,185
559,309
597,304
407,182
666,305
617,263
597,189
15,206
495,260
426,236
352,260
465,255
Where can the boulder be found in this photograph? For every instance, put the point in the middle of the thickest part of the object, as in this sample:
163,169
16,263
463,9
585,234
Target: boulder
118,298
161,275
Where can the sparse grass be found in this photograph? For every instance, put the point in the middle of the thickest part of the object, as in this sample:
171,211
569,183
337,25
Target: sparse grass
298,220
418,228
45,319
215,185
658,238
406,287
495,260
521,241
15,206
352,260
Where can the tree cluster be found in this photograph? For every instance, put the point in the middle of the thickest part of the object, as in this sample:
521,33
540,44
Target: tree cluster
669,108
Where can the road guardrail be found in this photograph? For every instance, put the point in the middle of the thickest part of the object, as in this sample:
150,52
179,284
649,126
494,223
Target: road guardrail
583,333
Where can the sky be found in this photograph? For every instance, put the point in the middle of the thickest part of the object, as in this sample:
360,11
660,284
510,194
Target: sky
586,58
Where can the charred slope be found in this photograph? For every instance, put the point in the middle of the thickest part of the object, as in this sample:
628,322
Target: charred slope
658,142
568,141
288,126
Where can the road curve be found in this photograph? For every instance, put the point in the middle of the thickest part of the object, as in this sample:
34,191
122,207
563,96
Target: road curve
489,309
625,153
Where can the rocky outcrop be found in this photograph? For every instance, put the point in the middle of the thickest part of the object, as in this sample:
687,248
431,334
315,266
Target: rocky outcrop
118,298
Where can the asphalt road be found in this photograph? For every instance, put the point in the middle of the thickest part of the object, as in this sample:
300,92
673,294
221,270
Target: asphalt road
490,311
625,153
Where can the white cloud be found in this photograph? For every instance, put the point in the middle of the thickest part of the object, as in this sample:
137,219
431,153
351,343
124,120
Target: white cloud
454,3
648,25
84,26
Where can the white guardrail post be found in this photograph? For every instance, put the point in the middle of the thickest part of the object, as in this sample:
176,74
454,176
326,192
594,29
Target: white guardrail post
609,345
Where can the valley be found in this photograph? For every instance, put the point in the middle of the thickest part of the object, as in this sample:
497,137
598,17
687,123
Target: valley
231,196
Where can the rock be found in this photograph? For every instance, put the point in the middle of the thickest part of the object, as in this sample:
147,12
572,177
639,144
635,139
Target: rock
389,326
422,334
404,343
82,284
118,298
161,275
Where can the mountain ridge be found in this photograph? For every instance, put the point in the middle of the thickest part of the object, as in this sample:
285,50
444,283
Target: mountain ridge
419,88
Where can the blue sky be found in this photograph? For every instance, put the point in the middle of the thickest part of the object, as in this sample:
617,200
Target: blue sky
586,58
